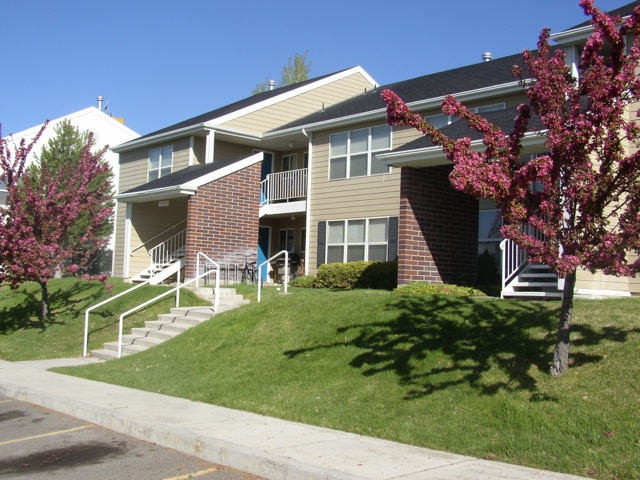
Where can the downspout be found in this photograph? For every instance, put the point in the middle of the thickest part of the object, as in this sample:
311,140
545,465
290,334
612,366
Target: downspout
308,220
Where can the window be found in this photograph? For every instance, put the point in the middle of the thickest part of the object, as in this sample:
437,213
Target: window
441,120
287,236
354,240
352,154
289,162
305,160
160,162
303,240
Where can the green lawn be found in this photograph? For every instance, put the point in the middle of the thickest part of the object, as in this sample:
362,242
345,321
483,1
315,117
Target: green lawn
465,375
23,337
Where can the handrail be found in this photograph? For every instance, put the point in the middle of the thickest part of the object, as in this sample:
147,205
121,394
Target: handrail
156,236
515,258
86,313
158,297
284,185
216,288
286,271
162,253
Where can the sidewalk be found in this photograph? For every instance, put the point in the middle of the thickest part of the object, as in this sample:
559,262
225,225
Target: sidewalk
264,446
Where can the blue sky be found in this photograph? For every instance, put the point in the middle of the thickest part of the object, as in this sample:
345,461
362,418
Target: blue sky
160,62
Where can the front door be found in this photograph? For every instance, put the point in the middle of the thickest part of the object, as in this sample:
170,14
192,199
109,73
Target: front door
264,235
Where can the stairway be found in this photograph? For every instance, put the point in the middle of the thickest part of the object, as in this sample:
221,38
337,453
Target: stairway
534,281
162,269
170,325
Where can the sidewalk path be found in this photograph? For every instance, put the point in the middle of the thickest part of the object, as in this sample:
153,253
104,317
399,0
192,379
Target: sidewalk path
264,446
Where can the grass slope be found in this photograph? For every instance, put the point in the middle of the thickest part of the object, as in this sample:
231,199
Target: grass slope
23,337
465,375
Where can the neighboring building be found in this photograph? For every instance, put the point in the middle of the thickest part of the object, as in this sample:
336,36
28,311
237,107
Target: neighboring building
314,169
106,130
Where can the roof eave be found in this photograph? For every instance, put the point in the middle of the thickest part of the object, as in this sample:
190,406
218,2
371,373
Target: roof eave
156,194
162,137
434,156
470,95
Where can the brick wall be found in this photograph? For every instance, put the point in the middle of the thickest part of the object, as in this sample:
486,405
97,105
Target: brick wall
438,232
222,217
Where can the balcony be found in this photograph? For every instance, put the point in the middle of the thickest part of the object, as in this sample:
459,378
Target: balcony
284,193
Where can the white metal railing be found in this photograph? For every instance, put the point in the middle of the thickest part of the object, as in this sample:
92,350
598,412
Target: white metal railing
93,307
176,289
515,258
156,236
216,301
286,270
165,252
284,186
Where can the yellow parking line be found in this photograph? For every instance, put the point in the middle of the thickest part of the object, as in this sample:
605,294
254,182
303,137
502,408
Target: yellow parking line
6,401
193,475
59,432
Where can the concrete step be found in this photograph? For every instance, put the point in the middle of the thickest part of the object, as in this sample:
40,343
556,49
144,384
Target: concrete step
153,333
530,294
167,326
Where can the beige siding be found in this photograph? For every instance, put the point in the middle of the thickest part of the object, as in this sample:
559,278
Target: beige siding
147,221
301,105
225,150
118,251
181,151
199,150
600,281
362,197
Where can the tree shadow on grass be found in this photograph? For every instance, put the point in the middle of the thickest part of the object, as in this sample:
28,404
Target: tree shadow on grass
24,315
440,342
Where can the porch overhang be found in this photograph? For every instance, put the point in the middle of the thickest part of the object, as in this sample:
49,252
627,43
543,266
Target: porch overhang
434,156
156,194
283,209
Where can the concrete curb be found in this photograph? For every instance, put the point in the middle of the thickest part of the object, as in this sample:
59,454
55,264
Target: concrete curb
264,446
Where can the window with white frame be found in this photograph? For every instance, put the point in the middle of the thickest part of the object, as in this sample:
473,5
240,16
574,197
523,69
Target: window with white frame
441,120
354,240
287,239
289,162
353,154
160,162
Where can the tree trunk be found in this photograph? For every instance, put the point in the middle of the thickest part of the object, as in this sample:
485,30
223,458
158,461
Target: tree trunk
44,304
560,364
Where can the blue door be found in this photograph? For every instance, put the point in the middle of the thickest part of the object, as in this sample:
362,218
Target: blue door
263,249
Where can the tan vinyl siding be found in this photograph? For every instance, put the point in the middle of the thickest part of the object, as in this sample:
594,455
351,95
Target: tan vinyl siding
181,150
301,105
600,281
199,150
148,220
118,251
225,150
361,197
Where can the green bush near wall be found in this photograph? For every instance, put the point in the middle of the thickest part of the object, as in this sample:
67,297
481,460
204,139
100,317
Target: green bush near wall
375,275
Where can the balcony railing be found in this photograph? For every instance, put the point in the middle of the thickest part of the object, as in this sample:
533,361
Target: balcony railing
284,186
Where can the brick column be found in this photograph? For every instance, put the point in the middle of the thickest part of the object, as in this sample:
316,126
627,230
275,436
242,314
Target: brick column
222,218
438,231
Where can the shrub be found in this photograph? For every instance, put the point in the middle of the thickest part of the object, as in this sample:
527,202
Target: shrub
304,281
426,288
357,275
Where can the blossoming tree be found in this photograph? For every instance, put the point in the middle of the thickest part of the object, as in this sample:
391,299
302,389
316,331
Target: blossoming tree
42,209
589,209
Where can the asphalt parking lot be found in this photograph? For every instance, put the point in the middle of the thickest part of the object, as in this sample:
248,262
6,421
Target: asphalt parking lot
36,443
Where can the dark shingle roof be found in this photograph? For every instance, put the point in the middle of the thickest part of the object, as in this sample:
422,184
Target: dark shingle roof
623,11
246,102
460,129
183,176
471,77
